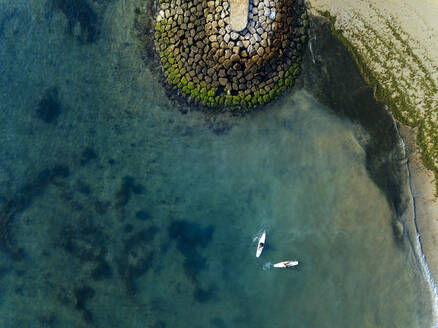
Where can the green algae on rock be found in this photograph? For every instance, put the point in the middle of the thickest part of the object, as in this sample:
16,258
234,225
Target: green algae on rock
210,65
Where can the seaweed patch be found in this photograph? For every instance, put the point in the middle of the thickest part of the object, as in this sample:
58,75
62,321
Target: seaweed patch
101,207
127,228
102,270
22,200
217,322
190,236
83,241
82,295
49,320
87,155
142,215
127,188
136,258
159,324
203,295
79,12
49,108
7,15
83,188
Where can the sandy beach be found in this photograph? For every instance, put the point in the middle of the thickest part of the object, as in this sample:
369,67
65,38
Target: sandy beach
397,41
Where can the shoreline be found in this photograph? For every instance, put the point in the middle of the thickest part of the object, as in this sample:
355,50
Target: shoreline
387,40
421,205
422,187
423,172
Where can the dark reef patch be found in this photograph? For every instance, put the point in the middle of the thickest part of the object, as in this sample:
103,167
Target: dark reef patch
128,228
137,256
83,241
22,200
159,324
101,207
4,271
142,215
87,155
102,270
127,188
7,15
190,236
83,188
86,242
203,295
79,12
220,128
218,322
82,296
49,320
49,108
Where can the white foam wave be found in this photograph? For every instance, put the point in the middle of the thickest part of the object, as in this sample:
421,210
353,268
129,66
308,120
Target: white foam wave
418,245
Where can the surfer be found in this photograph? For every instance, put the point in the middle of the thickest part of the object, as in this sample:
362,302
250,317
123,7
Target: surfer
261,244
286,264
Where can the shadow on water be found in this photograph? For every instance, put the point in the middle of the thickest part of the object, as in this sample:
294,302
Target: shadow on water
80,13
335,80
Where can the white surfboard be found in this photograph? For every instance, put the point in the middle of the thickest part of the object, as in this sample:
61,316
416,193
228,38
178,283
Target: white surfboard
261,244
286,264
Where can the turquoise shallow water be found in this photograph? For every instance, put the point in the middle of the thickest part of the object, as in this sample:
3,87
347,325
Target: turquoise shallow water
119,211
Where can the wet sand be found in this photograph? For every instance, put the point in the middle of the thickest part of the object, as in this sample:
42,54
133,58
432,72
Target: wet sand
426,202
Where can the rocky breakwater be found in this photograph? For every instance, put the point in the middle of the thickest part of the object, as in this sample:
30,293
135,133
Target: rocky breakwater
207,63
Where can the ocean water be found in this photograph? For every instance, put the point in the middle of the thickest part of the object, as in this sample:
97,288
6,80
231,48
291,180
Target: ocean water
118,210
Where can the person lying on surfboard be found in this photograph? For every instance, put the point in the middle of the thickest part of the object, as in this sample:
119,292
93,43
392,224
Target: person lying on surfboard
261,244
